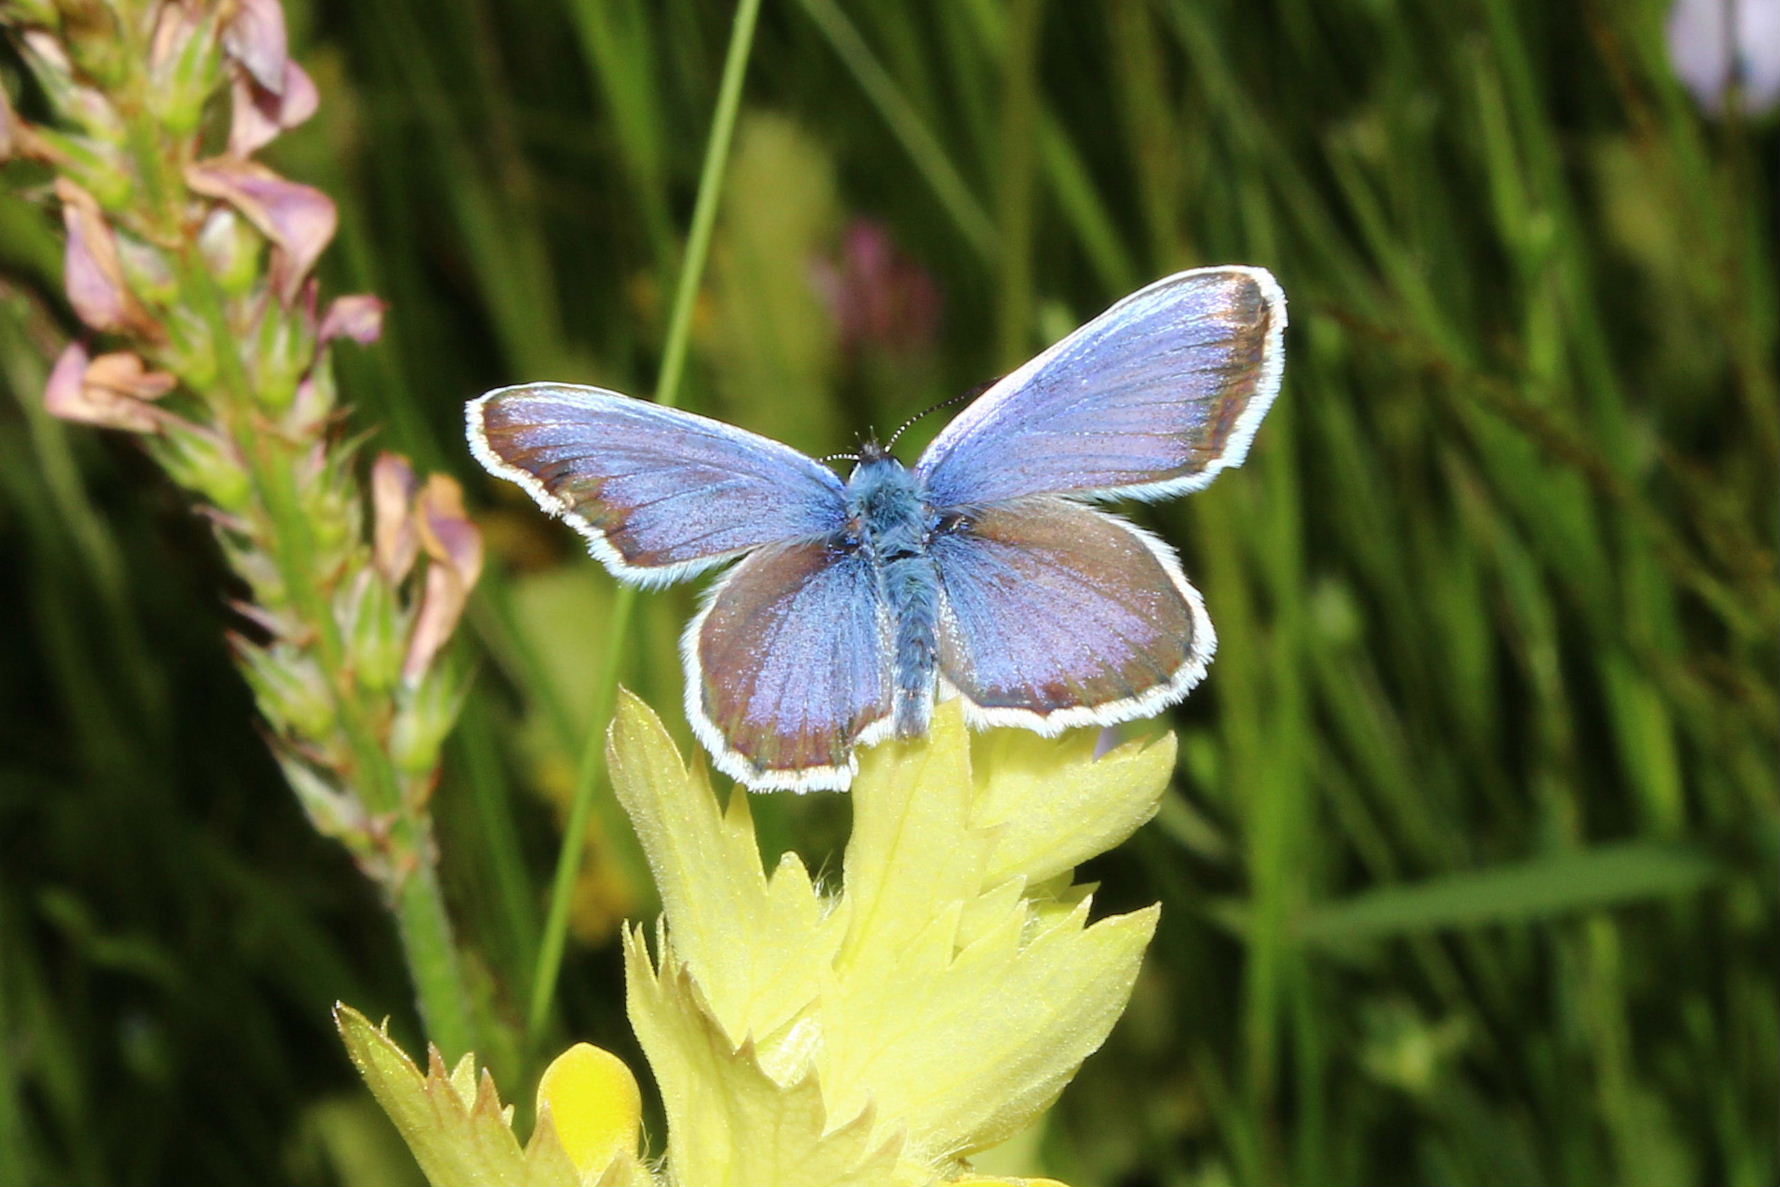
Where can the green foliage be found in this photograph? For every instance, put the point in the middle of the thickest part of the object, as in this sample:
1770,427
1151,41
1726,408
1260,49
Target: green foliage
1469,865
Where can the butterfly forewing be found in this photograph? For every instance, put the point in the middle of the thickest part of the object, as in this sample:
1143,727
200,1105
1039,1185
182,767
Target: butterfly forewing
1152,398
1058,615
788,666
658,493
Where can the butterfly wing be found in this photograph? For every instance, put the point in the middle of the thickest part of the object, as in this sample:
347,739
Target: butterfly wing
1150,399
1056,615
659,494
788,667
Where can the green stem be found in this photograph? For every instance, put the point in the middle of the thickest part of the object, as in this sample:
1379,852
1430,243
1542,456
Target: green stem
923,147
429,946
667,391
1019,118
704,213
411,887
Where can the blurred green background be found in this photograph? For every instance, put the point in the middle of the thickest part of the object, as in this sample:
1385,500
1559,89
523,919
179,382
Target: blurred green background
1469,869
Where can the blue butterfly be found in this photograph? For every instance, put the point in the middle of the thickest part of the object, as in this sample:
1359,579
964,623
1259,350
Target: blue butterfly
981,573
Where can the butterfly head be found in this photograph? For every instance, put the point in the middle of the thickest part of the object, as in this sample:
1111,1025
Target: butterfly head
879,474
870,452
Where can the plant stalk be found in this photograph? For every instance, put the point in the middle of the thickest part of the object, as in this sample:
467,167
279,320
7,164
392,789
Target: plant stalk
667,391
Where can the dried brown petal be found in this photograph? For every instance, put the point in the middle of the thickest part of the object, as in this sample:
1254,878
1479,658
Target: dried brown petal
447,532
9,124
454,544
19,138
395,536
128,376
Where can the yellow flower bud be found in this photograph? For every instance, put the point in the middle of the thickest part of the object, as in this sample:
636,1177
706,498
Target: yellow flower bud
592,1100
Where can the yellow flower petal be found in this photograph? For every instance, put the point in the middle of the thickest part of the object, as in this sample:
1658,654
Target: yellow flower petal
1054,805
725,913
729,1122
592,1100
930,1005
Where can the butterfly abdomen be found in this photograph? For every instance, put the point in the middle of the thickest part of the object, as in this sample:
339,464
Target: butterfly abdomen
885,504
911,586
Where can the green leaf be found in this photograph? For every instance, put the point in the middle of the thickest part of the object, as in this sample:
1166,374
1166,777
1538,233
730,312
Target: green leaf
453,1121
1559,884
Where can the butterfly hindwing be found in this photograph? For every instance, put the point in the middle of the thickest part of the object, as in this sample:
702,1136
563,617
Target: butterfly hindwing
1058,615
788,667
1150,399
659,494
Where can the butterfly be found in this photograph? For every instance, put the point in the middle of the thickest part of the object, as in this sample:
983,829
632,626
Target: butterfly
984,572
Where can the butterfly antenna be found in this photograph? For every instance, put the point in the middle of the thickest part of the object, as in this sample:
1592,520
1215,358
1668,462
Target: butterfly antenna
839,457
908,424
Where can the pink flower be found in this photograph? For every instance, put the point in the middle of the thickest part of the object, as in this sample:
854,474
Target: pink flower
93,270
259,114
256,40
270,92
298,219
358,317
111,391
878,296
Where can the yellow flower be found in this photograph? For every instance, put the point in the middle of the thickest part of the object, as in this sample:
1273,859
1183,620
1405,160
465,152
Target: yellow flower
933,1007
876,1034
589,1116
